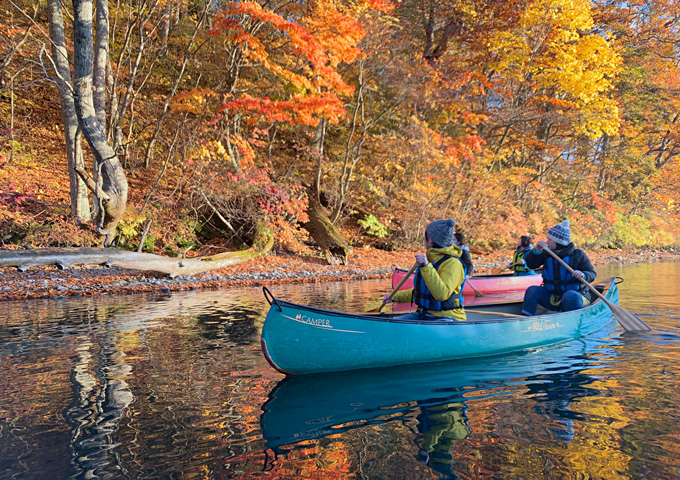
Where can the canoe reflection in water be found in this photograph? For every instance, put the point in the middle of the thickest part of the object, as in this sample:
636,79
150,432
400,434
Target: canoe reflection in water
439,396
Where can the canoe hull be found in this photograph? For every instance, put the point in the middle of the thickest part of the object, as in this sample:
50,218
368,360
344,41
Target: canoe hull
298,339
486,284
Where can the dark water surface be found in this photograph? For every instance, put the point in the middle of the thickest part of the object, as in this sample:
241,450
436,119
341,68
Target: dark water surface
175,386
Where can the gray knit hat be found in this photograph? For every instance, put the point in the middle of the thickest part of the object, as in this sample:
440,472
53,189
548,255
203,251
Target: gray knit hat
441,232
560,234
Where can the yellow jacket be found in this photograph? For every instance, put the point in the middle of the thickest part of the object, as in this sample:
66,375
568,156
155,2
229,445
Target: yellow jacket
443,282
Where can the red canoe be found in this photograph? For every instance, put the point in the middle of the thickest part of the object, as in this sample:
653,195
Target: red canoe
486,284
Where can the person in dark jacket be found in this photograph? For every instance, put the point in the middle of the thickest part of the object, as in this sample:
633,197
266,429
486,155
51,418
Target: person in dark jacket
518,264
459,239
561,290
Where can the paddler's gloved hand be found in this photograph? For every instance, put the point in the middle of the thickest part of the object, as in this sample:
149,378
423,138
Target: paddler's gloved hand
387,299
421,258
579,275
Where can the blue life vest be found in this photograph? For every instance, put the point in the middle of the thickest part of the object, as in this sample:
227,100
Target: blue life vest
557,279
423,297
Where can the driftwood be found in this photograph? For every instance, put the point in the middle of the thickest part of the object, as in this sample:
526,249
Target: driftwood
111,257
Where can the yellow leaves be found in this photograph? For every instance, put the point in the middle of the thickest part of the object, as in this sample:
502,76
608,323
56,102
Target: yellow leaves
246,152
585,68
192,101
599,116
550,51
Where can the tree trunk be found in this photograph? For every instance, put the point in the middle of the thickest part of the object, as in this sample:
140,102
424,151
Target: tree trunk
324,233
188,54
112,176
316,145
353,147
101,61
80,203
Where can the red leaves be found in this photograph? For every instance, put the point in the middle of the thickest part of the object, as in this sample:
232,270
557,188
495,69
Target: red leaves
13,198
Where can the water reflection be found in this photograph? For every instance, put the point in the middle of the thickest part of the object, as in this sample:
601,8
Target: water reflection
135,380
100,396
440,428
175,386
312,406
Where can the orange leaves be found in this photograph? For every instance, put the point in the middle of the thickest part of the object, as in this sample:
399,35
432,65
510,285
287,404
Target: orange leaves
607,207
322,46
337,33
380,5
300,109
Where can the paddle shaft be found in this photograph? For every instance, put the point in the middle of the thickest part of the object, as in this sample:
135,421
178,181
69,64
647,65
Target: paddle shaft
621,314
396,289
499,314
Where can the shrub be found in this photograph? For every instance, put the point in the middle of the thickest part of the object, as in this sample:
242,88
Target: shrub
373,226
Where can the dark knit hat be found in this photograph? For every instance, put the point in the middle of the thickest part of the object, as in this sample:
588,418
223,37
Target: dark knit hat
560,234
441,232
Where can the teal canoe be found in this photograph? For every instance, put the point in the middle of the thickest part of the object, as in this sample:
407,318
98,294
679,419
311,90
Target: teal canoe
299,339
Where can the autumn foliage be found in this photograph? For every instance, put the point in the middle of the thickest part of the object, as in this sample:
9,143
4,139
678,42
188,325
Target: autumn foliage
505,115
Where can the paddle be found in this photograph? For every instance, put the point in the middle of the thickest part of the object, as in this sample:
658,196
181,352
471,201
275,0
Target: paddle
396,289
499,314
628,320
477,292
499,270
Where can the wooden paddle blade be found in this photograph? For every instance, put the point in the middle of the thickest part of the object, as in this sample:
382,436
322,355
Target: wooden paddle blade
376,309
499,270
628,320
477,292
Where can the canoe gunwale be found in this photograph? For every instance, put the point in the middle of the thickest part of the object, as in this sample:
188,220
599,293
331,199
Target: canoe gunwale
480,277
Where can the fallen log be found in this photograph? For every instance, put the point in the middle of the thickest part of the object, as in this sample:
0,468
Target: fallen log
111,257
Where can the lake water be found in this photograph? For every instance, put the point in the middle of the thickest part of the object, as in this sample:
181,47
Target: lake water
175,386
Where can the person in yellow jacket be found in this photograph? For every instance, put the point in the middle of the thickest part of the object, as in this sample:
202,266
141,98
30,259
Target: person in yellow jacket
440,276
442,427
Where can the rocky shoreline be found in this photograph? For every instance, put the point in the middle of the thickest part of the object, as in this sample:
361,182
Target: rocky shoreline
271,269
